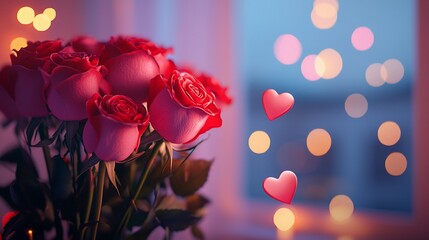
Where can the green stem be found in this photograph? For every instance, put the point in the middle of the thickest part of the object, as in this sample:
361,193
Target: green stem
99,198
74,160
88,204
43,131
127,215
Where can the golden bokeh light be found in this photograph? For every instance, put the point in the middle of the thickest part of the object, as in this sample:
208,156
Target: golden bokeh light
333,3
284,219
396,164
259,142
389,133
18,43
325,10
341,208
25,15
375,74
394,71
51,13
318,142
41,22
321,22
356,105
328,63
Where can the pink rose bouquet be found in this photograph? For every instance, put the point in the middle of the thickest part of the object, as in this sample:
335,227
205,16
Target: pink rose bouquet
107,116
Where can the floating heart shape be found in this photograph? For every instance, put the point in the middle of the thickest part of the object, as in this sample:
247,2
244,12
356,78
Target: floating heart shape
282,189
276,105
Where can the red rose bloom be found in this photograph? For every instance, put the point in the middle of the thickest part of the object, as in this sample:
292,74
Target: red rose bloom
87,44
181,108
114,127
30,87
74,80
220,92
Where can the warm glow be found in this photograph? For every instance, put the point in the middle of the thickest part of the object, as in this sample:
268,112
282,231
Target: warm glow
30,234
394,70
344,238
41,22
333,3
356,105
51,13
389,133
325,10
328,63
362,38
259,142
318,142
308,68
18,43
321,22
284,219
396,164
25,15
375,74
341,207
287,49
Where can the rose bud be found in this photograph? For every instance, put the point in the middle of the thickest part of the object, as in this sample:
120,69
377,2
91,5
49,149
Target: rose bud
74,80
132,63
7,93
114,127
30,87
181,108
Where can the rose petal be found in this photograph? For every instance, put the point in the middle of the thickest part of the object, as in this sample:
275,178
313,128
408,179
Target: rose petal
130,74
29,92
173,122
67,99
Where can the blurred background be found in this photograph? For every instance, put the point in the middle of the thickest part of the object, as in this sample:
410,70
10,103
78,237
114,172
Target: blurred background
355,136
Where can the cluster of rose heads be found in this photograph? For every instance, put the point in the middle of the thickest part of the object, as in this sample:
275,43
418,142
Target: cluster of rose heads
120,87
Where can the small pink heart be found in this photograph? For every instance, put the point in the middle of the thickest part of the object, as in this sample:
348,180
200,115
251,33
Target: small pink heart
282,189
276,105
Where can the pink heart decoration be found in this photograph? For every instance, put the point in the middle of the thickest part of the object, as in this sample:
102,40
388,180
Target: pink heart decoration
276,105
282,189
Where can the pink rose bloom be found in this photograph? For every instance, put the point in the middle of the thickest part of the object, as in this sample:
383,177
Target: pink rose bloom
131,66
7,93
30,87
181,108
74,80
114,127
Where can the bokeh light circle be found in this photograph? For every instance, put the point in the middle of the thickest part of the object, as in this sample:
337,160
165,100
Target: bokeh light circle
333,3
389,133
259,142
318,142
341,207
25,15
362,38
41,22
356,105
395,71
375,74
396,164
287,49
308,68
321,22
284,219
51,13
328,63
18,43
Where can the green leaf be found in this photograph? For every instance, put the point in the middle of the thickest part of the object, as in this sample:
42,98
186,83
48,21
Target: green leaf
137,219
190,177
176,220
196,202
61,179
110,167
91,162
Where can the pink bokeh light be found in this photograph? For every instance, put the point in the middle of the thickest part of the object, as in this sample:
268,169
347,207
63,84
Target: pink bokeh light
287,49
362,38
308,68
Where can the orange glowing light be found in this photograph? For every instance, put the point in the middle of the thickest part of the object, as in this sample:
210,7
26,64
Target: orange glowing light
396,164
328,63
18,43
319,142
51,13
389,133
284,219
41,22
25,15
259,142
341,208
